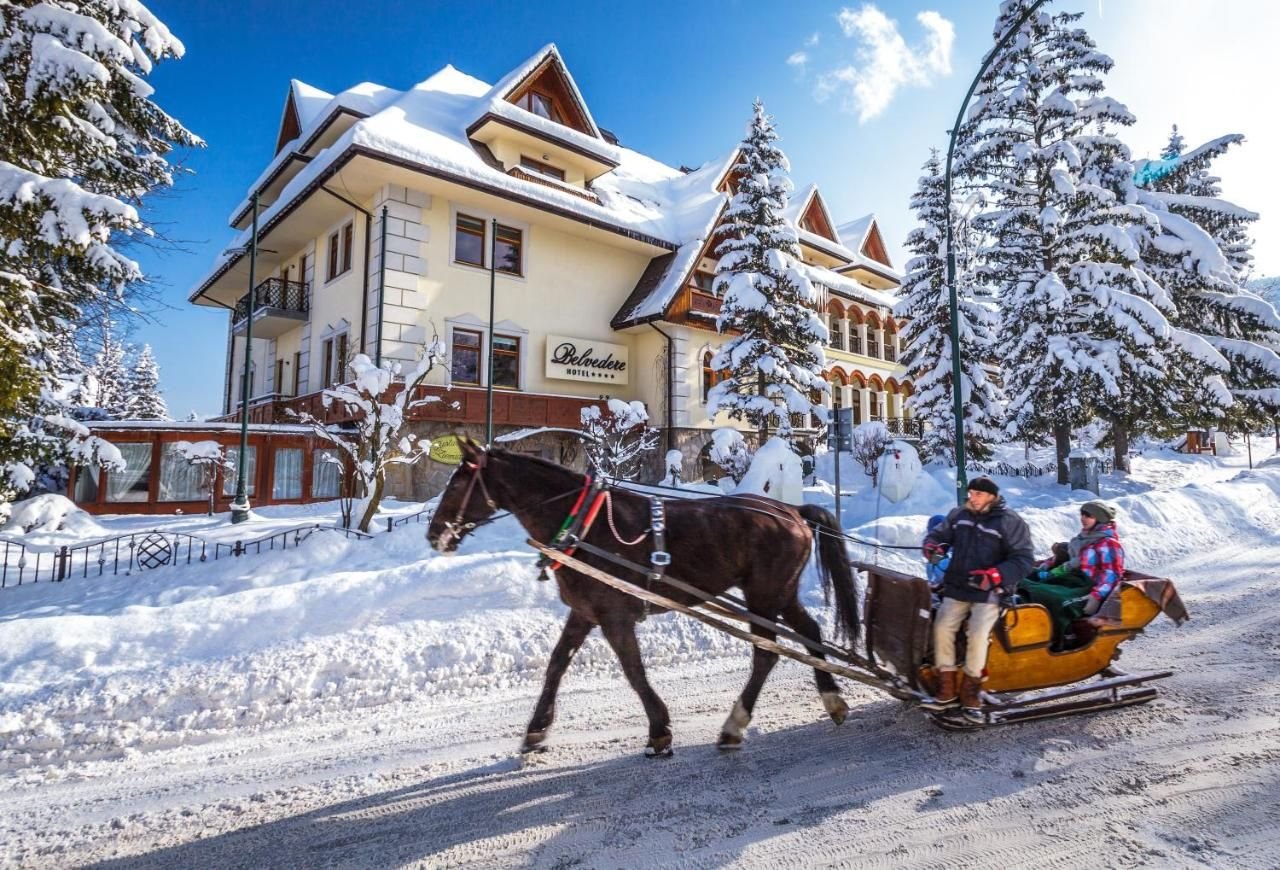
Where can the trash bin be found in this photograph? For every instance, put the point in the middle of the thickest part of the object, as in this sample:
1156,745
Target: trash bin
1082,471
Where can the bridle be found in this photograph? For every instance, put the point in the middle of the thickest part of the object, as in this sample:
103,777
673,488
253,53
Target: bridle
456,529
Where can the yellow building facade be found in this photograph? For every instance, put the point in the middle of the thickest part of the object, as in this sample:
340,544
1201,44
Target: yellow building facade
387,217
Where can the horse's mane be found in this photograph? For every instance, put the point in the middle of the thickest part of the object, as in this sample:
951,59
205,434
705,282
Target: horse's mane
546,464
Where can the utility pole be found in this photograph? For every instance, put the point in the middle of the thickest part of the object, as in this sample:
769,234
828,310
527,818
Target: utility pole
240,507
957,403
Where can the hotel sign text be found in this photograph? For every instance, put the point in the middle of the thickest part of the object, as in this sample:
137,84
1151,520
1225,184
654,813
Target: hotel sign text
582,359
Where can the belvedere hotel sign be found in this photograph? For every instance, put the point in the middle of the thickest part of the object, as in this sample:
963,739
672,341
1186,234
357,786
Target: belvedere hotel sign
582,359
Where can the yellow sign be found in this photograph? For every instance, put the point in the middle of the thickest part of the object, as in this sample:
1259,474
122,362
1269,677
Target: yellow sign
447,449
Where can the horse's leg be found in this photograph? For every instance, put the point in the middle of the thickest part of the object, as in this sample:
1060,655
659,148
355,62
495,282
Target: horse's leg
799,619
620,632
762,662
575,631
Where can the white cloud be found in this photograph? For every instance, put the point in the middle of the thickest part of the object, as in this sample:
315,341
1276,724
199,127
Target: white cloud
799,59
813,39
884,60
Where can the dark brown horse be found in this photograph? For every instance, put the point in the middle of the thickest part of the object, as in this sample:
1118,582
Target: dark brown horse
757,544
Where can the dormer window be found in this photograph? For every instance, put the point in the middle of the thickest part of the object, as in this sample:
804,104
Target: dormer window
545,169
541,105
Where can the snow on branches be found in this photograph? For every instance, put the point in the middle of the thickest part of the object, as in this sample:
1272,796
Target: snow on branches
617,439
775,363
380,401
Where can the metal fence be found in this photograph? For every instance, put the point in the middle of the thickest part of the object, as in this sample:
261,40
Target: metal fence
139,551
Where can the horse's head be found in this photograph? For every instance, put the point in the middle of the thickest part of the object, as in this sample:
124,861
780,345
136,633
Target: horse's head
466,500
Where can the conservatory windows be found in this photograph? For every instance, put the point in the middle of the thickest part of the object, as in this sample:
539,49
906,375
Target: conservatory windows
134,482
286,477
251,472
181,480
326,473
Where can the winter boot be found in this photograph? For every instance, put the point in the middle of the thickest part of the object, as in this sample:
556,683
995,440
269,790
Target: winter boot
971,697
948,685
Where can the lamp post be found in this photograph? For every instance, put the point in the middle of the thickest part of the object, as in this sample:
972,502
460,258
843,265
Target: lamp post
488,398
957,403
240,507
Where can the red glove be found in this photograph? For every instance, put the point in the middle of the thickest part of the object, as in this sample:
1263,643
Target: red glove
986,579
933,551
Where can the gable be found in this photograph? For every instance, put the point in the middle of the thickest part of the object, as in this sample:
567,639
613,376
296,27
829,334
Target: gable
290,124
816,220
547,91
874,247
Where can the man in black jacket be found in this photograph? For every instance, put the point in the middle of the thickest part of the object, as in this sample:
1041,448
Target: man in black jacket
991,551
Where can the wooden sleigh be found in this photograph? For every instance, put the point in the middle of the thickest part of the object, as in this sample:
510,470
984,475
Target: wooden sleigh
1026,677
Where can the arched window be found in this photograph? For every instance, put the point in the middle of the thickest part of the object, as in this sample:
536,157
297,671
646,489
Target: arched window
710,377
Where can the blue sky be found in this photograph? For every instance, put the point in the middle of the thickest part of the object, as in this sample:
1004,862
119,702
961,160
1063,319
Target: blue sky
675,81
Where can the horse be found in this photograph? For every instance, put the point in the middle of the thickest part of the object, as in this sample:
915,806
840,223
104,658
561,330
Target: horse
756,544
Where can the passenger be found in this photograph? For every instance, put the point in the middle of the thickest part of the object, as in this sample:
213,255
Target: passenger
1077,587
935,567
990,549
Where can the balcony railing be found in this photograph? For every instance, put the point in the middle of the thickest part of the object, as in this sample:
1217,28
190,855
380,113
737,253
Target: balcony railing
278,306
701,302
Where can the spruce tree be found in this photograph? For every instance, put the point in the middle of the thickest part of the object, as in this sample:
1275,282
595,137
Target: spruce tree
145,400
110,376
81,144
927,335
1084,330
1202,256
775,361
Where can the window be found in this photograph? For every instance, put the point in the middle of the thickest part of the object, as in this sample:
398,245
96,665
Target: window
326,473
333,352
704,282
510,241
134,483
541,105
87,483
506,361
297,371
181,480
468,241
465,360
340,244
710,377
278,386
230,475
541,168
286,477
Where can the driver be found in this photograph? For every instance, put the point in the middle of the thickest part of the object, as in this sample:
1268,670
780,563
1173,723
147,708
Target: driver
990,549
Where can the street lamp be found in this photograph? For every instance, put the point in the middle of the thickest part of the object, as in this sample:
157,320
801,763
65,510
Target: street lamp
957,403
240,507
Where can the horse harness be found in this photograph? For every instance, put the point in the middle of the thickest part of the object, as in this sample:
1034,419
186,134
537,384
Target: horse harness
578,524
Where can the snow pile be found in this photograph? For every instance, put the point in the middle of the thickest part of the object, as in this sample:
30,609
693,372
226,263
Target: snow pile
776,472
898,470
50,513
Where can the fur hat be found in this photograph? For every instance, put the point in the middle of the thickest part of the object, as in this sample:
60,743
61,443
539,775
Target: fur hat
1100,511
984,484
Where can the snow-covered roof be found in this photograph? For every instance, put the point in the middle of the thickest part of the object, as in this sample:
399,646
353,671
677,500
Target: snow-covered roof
308,102
853,235
197,426
427,127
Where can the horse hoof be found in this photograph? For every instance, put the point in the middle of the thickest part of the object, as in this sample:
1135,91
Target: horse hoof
836,708
659,747
533,742
728,742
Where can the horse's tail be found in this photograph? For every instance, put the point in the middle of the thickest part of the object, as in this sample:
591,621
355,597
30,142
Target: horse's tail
834,568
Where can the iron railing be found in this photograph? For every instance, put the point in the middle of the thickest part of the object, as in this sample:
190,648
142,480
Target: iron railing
275,293
137,551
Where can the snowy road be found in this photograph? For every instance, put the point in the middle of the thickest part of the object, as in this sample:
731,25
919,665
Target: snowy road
1192,780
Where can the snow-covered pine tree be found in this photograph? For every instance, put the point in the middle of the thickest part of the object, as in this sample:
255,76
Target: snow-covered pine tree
110,374
1202,257
1084,330
81,144
775,362
145,400
926,338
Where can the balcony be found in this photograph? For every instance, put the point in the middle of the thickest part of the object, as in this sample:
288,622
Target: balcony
278,306
703,304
